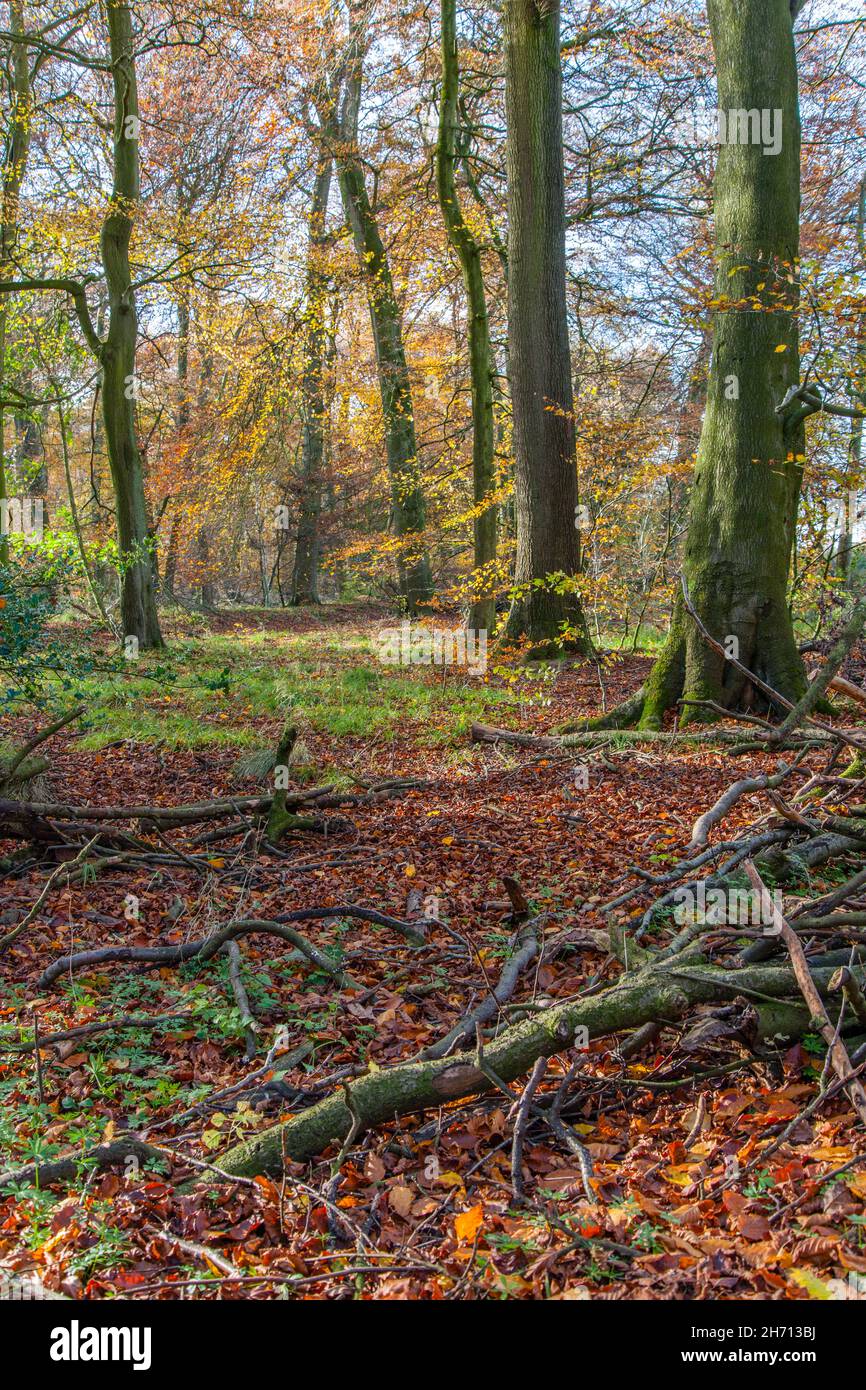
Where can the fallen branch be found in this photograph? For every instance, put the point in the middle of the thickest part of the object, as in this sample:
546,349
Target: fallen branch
208,946
821,907
840,686
485,733
67,1169
8,771
233,953
837,1050
845,981
521,1120
157,815
383,1095
525,952
32,820
819,682
704,824
30,916
86,1030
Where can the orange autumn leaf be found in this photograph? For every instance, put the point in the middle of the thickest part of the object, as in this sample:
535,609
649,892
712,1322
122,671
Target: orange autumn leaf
467,1224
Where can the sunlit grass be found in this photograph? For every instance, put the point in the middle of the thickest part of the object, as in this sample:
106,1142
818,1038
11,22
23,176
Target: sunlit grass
212,691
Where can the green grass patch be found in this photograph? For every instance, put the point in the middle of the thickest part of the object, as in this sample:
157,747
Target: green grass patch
209,692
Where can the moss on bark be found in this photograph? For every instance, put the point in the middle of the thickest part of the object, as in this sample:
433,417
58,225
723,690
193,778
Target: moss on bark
655,994
747,480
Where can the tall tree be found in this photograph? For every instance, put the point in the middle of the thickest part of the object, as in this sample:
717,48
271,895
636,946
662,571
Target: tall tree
15,153
305,577
408,511
548,551
482,613
845,548
750,458
116,351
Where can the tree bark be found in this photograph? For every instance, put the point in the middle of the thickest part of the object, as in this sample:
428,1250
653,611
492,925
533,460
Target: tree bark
482,612
17,150
182,409
117,355
648,996
408,511
750,460
305,576
546,606
845,549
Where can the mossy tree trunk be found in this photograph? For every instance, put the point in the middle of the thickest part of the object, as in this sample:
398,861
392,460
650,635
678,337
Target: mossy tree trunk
408,512
853,480
117,352
17,149
548,550
750,459
482,612
305,586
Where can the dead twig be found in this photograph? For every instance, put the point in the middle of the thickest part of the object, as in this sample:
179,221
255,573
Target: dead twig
521,1120
233,952
838,1051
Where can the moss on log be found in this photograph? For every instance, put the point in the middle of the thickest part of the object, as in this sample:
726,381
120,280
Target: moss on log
660,993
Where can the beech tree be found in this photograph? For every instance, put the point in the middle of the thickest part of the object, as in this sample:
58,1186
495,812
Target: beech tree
305,587
482,612
408,511
115,351
750,460
546,604
17,148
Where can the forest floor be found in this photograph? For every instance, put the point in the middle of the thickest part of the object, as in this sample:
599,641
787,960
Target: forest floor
682,1203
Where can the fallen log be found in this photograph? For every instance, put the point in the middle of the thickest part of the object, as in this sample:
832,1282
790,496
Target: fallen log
485,733
157,815
840,686
651,995
34,820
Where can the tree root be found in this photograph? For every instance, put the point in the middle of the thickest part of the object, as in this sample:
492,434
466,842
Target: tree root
624,716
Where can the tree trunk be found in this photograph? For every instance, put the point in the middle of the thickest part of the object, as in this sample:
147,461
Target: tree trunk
482,613
138,597
181,421
14,166
408,513
845,548
546,607
31,463
305,577
750,460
